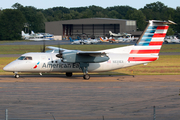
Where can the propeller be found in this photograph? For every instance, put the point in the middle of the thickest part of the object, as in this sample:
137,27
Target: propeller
60,52
43,49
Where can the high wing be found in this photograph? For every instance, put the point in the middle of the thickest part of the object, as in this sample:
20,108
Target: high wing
77,56
90,53
56,49
78,52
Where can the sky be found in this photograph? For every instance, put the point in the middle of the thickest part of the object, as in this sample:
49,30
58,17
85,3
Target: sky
39,4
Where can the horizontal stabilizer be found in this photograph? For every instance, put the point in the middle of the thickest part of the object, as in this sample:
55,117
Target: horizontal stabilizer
164,22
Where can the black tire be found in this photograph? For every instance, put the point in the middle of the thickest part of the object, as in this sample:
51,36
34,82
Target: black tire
16,76
86,77
69,74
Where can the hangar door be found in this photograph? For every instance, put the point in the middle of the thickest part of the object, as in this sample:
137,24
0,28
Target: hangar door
96,30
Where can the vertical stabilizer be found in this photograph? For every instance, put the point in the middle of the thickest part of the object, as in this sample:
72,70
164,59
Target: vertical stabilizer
22,33
71,40
149,44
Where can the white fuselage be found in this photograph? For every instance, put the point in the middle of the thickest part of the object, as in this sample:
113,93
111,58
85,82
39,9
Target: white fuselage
48,62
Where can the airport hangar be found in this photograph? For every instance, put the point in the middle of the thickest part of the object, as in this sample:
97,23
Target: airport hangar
91,27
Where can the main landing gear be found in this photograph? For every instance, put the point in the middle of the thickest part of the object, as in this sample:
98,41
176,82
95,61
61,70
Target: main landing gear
69,74
84,68
86,76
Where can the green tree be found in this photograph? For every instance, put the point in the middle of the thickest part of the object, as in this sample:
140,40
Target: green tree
67,17
156,6
34,18
114,14
39,22
122,10
87,14
0,12
157,11
141,19
177,20
79,9
17,6
95,9
11,24
100,15
170,31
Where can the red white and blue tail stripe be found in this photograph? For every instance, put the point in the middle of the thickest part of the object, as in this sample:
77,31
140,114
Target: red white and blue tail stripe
148,46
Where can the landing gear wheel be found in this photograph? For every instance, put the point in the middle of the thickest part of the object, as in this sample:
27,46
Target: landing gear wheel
16,76
69,74
86,77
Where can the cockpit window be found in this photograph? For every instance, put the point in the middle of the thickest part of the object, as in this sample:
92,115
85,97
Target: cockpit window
21,58
25,58
28,58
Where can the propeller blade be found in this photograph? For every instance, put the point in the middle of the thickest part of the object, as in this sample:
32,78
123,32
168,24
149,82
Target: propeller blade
59,48
43,49
60,52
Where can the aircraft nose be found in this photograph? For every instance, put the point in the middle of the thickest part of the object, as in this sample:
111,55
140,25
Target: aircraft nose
10,67
7,68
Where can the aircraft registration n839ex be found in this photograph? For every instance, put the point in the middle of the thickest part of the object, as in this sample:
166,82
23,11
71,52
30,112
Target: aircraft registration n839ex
145,50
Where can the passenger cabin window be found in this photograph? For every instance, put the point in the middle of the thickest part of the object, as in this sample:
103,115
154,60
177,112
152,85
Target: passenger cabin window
25,58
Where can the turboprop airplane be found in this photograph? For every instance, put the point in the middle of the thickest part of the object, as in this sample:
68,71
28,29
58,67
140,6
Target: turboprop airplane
114,34
62,60
33,36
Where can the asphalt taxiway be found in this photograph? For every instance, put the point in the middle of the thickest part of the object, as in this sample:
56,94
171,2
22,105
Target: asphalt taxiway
109,97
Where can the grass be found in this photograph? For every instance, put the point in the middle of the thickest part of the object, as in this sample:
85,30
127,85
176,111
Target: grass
3,62
170,48
21,49
164,65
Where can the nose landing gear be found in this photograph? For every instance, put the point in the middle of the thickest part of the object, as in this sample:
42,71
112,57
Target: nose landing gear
16,76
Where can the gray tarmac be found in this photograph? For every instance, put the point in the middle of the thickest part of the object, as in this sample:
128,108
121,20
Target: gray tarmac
110,97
